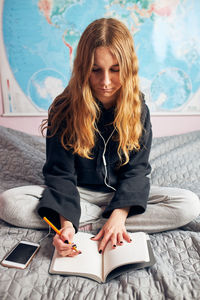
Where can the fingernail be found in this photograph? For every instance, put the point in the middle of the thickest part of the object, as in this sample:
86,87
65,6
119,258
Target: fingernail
66,242
100,251
130,240
114,246
92,237
74,245
121,242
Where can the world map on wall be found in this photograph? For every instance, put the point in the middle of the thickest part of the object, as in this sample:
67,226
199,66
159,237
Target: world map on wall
40,39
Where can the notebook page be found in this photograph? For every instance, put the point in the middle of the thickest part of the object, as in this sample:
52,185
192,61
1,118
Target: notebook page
134,252
88,262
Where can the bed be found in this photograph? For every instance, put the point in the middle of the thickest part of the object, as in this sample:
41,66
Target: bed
175,161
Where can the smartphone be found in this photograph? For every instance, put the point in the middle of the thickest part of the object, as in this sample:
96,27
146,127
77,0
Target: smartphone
21,255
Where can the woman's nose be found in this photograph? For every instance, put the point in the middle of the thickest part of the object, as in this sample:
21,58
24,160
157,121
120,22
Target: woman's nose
106,79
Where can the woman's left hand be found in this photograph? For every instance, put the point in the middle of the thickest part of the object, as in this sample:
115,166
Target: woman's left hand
114,230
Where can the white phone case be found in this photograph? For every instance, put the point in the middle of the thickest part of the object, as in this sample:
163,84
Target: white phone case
28,251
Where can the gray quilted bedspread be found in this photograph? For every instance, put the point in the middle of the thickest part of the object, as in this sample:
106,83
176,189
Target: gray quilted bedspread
176,275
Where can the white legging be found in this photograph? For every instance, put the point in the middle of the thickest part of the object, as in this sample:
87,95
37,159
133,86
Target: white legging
167,208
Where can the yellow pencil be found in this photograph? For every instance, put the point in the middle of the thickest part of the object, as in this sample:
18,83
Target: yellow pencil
56,230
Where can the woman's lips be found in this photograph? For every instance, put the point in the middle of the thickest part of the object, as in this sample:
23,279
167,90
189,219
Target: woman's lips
106,90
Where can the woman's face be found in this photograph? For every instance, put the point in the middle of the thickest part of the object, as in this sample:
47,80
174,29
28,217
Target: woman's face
104,78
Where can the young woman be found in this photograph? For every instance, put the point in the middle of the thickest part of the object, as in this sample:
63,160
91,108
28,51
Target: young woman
98,143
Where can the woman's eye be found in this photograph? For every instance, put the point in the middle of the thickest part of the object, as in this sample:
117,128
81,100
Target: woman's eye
95,70
115,70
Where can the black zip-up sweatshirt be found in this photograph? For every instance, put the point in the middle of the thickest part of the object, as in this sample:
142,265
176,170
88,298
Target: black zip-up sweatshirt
64,171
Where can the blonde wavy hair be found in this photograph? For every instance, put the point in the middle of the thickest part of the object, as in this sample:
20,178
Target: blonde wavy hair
75,112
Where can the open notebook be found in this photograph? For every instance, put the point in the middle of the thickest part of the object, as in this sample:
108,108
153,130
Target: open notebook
106,266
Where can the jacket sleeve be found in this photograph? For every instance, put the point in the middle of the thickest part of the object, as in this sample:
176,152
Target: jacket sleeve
60,196
133,181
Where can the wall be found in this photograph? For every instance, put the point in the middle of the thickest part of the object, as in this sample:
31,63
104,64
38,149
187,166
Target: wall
26,124
162,125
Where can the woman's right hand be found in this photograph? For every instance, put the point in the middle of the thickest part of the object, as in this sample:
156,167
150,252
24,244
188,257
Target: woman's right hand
64,242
